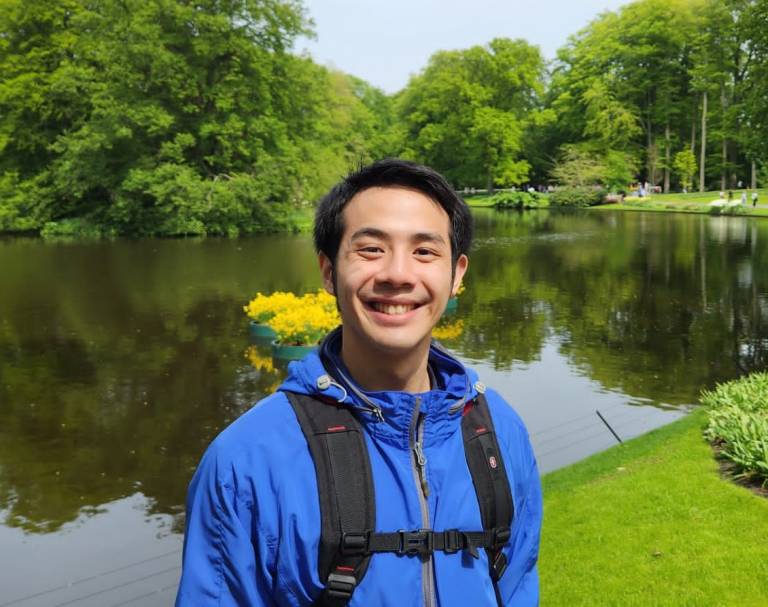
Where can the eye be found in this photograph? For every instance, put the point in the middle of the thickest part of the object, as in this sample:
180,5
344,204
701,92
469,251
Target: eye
370,250
424,252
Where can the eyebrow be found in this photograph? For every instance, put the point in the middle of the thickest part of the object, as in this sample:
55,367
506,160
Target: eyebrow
381,234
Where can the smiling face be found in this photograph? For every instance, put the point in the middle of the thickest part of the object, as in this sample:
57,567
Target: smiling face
393,272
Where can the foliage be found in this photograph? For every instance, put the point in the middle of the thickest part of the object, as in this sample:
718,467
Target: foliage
684,164
693,539
519,200
577,197
73,228
467,112
738,424
170,118
578,167
585,165
634,81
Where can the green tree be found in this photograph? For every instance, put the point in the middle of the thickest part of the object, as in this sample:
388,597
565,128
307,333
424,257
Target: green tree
467,112
165,117
685,166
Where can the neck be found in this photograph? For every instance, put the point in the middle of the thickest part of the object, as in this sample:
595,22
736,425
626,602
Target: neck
387,371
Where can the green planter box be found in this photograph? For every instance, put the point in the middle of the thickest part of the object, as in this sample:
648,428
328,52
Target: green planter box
261,332
282,352
452,305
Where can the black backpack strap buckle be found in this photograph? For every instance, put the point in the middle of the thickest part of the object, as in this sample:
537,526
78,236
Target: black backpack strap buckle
453,541
339,588
355,543
501,536
416,542
498,565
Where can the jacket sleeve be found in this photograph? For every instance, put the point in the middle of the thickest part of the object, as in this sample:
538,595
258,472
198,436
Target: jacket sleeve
520,583
226,559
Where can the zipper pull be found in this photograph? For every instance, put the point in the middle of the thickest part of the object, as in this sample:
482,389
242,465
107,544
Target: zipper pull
421,462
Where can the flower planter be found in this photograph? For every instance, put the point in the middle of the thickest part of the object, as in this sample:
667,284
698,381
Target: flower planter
285,352
261,332
452,305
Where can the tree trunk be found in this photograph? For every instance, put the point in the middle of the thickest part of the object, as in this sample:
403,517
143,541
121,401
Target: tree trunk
666,158
693,133
489,182
703,156
724,151
753,180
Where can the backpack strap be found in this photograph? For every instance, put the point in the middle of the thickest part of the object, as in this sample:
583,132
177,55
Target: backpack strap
348,509
345,487
490,479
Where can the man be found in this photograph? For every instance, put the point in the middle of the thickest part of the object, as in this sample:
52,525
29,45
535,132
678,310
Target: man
392,240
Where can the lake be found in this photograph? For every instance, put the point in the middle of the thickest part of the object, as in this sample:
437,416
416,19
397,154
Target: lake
120,361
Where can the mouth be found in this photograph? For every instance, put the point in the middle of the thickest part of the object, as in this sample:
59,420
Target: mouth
392,309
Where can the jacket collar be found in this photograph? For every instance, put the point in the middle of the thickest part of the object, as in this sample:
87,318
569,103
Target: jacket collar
388,414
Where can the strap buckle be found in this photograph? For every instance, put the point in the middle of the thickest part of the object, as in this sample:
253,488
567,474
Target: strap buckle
501,536
453,541
353,544
416,542
499,565
340,587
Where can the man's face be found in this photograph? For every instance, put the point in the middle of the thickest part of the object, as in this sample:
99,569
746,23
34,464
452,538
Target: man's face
393,269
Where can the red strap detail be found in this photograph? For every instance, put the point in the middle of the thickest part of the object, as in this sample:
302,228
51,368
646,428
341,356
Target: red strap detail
337,429
481,429
340,568
467,408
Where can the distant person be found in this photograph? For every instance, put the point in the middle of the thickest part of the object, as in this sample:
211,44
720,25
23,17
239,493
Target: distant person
754,199
722,195
730,195
744,198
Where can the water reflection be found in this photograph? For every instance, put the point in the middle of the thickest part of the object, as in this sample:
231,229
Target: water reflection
119,362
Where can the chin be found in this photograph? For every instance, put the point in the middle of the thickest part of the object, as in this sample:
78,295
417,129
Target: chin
400,342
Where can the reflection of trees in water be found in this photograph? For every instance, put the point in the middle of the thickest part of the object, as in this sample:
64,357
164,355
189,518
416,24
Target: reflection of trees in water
660,307
79,428
128,376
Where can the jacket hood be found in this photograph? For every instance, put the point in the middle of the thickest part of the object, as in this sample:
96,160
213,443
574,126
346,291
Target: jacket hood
322,374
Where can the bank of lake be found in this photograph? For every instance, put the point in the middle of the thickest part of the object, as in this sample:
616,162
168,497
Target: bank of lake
652,522
678,202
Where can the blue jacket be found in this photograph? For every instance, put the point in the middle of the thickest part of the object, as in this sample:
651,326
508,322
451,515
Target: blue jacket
253,516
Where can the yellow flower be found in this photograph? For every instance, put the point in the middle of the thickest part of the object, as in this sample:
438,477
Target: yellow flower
307,321
263,307
260,363
448,331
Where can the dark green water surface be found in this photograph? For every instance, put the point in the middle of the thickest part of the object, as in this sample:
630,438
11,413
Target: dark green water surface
120,361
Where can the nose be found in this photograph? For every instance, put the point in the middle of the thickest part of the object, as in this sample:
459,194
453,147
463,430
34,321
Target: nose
397,270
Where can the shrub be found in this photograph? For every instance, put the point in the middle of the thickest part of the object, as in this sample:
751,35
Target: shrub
577,197
75,228
519,200
738,424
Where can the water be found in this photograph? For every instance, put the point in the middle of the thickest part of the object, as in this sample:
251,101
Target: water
120,361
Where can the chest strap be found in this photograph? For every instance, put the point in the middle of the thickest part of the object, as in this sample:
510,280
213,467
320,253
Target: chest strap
347,503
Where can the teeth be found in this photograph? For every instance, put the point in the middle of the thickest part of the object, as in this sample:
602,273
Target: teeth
392,309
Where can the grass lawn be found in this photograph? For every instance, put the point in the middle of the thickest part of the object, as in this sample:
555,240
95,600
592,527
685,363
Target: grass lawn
478,200
651,523
694,202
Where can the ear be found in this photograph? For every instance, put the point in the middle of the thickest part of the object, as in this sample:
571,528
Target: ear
462,263
326,269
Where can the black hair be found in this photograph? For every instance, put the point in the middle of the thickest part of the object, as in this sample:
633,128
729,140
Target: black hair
391,172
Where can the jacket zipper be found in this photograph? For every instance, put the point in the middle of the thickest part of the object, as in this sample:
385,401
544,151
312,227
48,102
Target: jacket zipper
420,478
